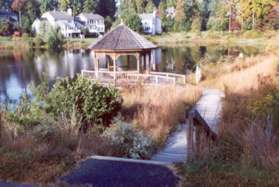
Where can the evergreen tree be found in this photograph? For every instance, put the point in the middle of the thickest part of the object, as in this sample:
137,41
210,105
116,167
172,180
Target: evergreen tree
107,8
46,5
76,6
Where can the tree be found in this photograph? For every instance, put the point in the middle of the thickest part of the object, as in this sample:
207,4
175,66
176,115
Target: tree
253,12
149,8
76,6
90,6
180,13
107,8
30,12
46,5
219,19
134,22
55,39
64,4
18,6
1,3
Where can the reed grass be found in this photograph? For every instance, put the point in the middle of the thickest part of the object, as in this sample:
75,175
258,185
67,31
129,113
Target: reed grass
158,109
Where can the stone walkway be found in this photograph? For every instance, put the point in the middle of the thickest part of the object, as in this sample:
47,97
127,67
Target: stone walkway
209,106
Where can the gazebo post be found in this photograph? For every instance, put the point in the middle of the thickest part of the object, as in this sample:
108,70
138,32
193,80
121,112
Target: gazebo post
138,62
96,63
114,66
149,62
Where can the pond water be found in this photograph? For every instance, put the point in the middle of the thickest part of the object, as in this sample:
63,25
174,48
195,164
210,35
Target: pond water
20,68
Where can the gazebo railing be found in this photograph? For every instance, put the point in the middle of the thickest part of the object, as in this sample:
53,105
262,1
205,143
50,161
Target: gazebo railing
131,77
180,79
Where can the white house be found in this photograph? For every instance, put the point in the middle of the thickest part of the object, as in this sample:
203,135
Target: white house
64,20
94,23
151,23
170,12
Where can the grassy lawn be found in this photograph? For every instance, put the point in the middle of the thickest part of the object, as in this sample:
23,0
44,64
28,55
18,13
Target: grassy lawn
208,38
26,42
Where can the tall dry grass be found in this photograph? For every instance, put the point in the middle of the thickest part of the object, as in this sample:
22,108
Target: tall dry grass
247,150
240,75
39,155
158,109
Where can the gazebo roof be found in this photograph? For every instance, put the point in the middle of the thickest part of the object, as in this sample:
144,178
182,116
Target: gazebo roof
122,38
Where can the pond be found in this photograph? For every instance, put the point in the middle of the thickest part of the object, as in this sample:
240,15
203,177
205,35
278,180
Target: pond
20,68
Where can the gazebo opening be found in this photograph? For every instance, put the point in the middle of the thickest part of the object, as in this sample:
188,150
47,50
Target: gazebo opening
126,63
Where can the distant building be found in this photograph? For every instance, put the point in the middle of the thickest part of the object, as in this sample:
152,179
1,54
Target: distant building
8,16
69,25
170,12
151,23
94,23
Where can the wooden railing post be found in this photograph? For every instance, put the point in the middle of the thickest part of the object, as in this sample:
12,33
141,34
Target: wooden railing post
190,137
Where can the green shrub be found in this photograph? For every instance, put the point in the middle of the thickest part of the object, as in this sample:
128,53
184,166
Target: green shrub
38,42
25,37
79,101
135,144
92,103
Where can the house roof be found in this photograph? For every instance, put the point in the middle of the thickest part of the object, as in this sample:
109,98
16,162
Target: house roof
92,16
57,15
122,38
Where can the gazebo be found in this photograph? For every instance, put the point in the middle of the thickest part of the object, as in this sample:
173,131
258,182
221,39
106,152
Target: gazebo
122,41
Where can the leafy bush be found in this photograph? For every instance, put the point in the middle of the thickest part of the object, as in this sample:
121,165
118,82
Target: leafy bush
252,34
134,143
55,39
82,101
38,41
93,104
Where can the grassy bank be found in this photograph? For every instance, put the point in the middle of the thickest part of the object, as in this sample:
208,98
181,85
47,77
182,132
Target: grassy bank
211,38
28,42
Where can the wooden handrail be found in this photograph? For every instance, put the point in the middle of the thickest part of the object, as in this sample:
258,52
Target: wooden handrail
200,137
198,120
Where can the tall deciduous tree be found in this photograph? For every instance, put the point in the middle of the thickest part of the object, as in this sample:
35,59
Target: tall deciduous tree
64,4
90,5
254,11
180,14
18,6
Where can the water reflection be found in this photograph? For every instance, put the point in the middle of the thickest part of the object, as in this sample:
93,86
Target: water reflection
18,69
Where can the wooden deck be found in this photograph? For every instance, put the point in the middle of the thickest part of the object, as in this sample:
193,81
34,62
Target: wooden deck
133,77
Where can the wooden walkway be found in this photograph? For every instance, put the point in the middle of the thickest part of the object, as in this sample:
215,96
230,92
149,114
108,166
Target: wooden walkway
210,108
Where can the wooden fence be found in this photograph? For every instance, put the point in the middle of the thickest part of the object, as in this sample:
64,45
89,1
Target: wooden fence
132,77
200,138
